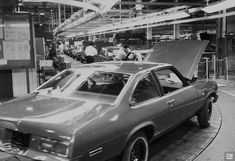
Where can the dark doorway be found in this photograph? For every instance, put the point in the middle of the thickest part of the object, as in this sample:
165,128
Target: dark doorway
6,87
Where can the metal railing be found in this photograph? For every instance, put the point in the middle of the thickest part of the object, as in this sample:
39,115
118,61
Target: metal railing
214,69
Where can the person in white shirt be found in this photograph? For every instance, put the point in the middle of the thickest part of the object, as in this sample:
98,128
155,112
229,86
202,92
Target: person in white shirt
61,48
90,53
121,54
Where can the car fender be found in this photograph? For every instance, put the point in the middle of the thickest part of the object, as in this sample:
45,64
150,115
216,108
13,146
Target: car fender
138,128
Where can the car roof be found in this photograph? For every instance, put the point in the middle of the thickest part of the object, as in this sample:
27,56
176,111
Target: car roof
130,67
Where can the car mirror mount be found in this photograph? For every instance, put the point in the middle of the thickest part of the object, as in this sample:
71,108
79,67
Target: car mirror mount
132,101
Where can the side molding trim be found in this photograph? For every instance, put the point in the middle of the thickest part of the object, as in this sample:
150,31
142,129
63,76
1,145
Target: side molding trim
95,152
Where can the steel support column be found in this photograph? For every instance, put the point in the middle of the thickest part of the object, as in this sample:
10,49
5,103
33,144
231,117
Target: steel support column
176,31
221,41
59,14
149,35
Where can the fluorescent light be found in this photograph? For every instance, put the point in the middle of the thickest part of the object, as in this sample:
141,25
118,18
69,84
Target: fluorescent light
219,6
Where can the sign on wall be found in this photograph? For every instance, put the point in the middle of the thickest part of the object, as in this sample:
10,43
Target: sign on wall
16,41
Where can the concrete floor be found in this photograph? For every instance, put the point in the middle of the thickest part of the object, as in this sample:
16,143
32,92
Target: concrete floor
187,141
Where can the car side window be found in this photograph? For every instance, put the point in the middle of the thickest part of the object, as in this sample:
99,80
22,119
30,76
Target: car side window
145,89
168,80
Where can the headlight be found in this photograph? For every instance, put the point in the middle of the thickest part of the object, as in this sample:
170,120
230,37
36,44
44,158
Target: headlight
50,146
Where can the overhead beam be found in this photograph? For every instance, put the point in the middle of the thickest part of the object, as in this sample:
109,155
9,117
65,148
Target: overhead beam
68,2
103,7
170,23
162,3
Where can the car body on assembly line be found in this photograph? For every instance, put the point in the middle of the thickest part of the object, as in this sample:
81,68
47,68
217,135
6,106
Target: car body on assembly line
102,110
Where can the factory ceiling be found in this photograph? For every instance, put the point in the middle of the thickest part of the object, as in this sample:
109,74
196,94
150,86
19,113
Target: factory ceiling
84,17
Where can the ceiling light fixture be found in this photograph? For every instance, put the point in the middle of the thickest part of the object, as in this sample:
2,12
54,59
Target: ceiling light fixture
226,4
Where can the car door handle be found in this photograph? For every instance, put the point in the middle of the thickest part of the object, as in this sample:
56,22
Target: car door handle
171,102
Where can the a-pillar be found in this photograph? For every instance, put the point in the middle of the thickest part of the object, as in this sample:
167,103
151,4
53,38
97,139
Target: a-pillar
149,33
176,31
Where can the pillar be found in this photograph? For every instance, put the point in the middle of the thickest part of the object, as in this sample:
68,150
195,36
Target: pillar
221,42
89,37
59,14
176,31
94,38
64,13
100,37
149,34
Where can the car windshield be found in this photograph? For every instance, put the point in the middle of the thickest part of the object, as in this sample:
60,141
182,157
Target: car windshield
86,84
103,86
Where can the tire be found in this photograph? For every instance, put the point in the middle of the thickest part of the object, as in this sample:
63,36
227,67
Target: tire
137,148
204,115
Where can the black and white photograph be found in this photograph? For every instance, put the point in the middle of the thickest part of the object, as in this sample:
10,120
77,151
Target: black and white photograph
117,80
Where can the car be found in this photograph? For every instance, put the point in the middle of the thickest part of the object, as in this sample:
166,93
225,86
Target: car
108,53
106,109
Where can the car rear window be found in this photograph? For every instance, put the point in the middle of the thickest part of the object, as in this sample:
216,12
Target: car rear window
59,81
102,84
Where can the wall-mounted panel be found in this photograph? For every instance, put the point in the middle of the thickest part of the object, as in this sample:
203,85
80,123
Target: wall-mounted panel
16,41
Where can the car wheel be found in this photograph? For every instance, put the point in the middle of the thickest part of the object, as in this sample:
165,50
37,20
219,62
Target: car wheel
204,116
137,148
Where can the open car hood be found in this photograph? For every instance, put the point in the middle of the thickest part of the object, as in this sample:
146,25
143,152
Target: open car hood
182,54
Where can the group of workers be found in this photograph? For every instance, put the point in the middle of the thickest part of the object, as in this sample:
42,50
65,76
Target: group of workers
123,54
90,53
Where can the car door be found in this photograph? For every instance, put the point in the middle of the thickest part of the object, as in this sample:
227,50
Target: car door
146,100
180,97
